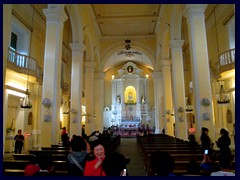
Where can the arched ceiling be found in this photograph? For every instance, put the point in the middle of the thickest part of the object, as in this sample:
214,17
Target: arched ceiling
127,21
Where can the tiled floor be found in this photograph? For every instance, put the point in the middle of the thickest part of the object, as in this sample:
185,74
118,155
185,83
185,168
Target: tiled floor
129,148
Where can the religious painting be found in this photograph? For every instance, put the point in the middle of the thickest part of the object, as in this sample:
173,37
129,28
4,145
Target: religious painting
206,116
130,69
130,95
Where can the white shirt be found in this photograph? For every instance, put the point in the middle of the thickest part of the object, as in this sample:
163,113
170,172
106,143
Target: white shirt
222,173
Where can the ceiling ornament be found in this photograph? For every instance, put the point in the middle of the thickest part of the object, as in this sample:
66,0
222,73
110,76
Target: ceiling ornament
128,52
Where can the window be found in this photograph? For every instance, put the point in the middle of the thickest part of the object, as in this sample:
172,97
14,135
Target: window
13,41
231,33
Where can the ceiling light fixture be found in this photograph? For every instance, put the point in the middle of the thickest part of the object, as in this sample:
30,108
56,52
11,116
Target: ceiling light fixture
128,52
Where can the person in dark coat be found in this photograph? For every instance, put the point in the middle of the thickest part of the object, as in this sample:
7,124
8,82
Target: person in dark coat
19,139
223,143
206,142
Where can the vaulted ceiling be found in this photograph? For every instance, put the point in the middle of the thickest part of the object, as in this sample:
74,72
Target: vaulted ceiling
117,20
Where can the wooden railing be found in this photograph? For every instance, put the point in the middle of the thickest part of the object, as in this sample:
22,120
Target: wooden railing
226,60
24,64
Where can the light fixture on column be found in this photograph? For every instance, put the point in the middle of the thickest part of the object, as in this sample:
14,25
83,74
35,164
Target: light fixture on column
222,97
189,107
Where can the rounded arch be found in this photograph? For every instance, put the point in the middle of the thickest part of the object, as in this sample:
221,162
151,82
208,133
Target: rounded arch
108,55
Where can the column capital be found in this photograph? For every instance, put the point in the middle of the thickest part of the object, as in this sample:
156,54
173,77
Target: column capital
77,47
176,43
55,14
191,10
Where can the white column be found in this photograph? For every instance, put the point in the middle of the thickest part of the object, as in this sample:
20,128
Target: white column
167,97
76,89
89,94
55,17
36,132
7,11
200,66
158,101
99,101
179,89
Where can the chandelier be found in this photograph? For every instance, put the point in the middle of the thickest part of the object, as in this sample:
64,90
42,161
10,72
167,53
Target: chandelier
26,102
223,97
128,52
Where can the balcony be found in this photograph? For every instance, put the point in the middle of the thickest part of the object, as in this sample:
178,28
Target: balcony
22,64
226,61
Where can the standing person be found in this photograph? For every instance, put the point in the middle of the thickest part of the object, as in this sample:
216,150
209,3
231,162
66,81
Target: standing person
206,140
19,139
65,138
84,135
223,143
94,167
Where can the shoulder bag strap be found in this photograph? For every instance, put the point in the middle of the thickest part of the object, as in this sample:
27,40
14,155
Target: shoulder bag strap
75,161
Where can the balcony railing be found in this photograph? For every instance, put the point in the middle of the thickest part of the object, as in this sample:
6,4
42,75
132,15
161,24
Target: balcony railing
226,60
24,64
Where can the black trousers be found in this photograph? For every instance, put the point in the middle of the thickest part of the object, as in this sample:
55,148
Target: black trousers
18,147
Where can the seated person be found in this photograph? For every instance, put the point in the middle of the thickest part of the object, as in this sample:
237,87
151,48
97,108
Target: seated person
115,164
192,141
162,163
225,164
77,156
208,164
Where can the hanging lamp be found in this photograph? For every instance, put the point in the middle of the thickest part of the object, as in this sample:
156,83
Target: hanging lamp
26,102
222,97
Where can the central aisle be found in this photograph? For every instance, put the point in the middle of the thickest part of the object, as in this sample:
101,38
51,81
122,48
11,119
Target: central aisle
129,148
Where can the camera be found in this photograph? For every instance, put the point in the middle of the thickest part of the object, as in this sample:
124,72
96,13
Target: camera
206,151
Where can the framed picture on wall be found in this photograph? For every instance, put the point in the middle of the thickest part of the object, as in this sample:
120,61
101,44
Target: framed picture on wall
30,117
206,116
229,116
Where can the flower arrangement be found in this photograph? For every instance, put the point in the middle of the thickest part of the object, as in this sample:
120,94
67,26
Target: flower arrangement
205,102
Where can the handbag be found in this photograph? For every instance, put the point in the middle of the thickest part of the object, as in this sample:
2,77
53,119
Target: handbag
77,164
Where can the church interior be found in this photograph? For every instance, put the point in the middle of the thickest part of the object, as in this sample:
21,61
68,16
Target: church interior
167,67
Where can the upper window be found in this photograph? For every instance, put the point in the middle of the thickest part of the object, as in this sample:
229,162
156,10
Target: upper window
231,33
13,41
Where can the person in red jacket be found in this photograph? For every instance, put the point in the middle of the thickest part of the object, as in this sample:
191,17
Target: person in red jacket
94,167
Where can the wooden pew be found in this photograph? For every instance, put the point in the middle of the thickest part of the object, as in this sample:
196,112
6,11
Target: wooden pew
48,152
23,156
56,148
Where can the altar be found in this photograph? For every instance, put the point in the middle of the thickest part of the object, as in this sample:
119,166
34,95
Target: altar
130,99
